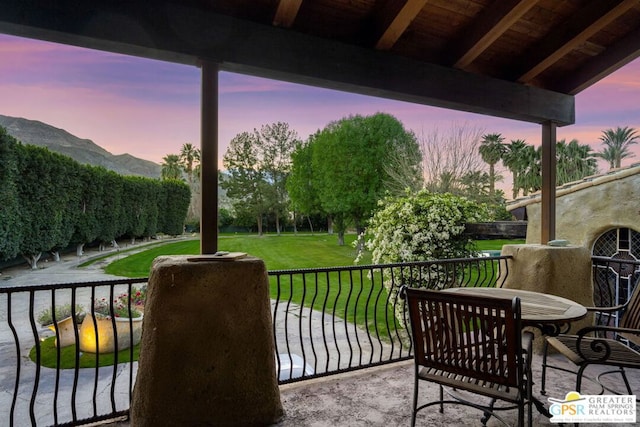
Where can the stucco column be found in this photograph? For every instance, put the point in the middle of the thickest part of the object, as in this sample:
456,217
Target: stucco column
562,271
207,355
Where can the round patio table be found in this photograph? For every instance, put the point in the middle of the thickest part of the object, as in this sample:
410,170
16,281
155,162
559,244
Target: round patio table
549,313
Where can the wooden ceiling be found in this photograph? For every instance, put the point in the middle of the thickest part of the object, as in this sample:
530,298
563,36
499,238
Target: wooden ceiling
521,59
564,46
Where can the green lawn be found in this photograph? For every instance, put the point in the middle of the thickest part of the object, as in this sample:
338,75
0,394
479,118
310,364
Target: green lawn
290,251
49,356
278,252
496,245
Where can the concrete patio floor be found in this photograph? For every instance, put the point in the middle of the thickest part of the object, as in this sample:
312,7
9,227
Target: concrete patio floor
381,396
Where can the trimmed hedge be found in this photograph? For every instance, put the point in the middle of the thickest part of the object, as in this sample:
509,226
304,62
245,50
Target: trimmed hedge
49,201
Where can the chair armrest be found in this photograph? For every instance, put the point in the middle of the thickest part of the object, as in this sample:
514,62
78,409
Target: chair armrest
588,329
600,347
607,309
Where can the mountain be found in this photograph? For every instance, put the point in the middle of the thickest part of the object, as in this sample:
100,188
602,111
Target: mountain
81,150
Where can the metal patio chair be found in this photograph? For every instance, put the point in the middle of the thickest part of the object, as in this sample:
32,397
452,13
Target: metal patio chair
470,343
615,346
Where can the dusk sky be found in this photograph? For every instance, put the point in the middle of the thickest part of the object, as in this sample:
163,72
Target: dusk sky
149,108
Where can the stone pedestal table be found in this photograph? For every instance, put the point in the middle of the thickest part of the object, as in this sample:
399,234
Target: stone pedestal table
207,352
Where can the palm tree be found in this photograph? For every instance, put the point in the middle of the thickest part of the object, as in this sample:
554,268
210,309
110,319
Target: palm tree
491,150
189,160
530,178
513,158
617,142
574,161
171,167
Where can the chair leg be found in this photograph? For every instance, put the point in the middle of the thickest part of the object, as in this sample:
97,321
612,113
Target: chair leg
579,377
626,381
544,368
520,415
441,400
415,401
487,414
529,400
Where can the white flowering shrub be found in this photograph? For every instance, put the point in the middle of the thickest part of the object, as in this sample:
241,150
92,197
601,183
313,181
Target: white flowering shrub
421,227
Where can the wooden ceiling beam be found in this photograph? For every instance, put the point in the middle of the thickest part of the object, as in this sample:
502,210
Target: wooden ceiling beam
286,13
183,33
565,38
492,23
612,59
393,18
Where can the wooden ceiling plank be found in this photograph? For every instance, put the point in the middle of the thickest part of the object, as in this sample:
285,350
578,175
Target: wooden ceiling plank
492,24
612,59
407,10
593,20
286,13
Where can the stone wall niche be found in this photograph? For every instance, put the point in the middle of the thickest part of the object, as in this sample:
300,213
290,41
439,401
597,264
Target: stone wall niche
207,355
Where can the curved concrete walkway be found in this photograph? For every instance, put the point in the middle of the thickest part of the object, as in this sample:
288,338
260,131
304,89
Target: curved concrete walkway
67,270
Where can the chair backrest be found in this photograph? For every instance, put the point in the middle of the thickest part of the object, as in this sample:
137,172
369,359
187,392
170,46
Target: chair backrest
473,336
631,316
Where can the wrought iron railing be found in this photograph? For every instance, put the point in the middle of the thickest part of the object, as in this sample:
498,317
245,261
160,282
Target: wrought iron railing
43,383
325,321
340,319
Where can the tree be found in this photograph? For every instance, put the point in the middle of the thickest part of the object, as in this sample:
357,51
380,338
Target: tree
39,203
171,168
68,189
303,196
574,161
50,201
448,156
529,178
276,143
491,150
173,202
111,215
10,224
617,145
258,165
189,159
403,170
245,182
140,203
513,158
349,159
87,226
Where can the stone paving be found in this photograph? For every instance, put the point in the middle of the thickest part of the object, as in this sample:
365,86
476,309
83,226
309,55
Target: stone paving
89,381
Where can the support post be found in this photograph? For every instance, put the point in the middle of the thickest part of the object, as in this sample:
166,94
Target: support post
548,205
209,159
